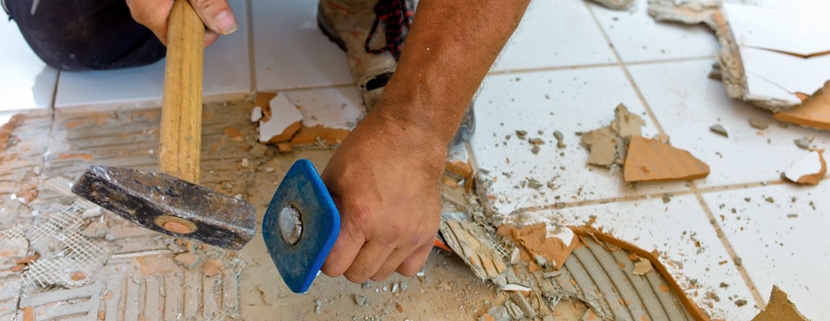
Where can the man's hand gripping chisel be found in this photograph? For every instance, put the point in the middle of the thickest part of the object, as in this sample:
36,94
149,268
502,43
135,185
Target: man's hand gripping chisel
170,202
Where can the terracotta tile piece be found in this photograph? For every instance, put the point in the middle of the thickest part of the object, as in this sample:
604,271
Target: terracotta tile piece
650,160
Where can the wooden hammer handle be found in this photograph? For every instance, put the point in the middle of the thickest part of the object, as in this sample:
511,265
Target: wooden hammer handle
181,113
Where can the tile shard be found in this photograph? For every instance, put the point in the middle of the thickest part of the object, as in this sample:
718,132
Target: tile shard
538,241
286,121
808,170
649,160
779,308
607,145
813,112
615,4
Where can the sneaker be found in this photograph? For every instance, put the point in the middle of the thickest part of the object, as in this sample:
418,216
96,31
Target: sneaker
372,33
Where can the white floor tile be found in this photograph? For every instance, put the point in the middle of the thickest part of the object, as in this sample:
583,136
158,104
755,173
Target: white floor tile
27,82
339,107
637,37
782,241
227,71
289,49
555,34
570,101
687,103
688,245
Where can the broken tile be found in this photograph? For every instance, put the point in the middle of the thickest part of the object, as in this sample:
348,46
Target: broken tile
625,123
779,308
285,120
649,160
808,170
718,129
813,112
780,58
552,245
602,144
667,228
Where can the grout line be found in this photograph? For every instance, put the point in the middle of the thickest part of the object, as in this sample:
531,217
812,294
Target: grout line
624,68
552,68
251,54
628,198
669,60
759,300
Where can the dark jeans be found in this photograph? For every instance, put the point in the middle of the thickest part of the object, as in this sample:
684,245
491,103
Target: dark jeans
84,34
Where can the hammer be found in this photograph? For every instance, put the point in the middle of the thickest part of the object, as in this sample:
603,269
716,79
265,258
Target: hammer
171,202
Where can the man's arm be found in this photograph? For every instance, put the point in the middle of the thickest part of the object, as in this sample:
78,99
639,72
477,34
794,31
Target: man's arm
385,176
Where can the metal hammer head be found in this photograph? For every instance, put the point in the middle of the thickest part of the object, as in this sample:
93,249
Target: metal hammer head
170,205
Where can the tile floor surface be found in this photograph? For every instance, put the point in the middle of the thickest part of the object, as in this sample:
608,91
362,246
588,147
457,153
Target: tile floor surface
566,68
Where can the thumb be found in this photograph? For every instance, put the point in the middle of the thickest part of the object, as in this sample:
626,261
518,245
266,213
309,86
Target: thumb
216,14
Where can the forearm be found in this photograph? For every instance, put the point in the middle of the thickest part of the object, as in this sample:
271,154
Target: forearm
448,52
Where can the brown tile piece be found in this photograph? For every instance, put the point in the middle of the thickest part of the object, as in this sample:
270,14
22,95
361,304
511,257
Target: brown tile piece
809,170
534,239
650,160
779,308
813,112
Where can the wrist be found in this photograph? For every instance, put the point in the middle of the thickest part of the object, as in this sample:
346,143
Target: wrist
413,139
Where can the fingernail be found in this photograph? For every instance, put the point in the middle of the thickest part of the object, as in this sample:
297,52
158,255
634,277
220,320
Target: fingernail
225,22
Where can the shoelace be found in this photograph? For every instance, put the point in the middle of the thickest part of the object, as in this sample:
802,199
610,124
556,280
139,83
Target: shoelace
396,17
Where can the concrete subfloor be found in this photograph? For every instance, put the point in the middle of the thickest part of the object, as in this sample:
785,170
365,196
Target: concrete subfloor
143,279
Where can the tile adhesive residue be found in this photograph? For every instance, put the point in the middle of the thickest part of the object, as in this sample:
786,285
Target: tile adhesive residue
615,279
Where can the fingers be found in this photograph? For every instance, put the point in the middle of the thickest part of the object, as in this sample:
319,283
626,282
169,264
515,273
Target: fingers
344,251
414,262
152,14
368,261
217,15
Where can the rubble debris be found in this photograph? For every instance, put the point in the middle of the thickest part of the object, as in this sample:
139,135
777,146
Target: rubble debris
284,125
602,144
95,230
284,147
258,150
523,304
553,244
652,161
212,267
360,300
234,134
808,170
642,267
626,124
607,145
26,195
615,4
521,134
399,307
499,313
7,129
460,168
188,260
803,143
718,129
560,139
813,112
759,123
467,240
307,136
779,308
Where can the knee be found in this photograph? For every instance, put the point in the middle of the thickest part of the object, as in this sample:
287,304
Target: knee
84,34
